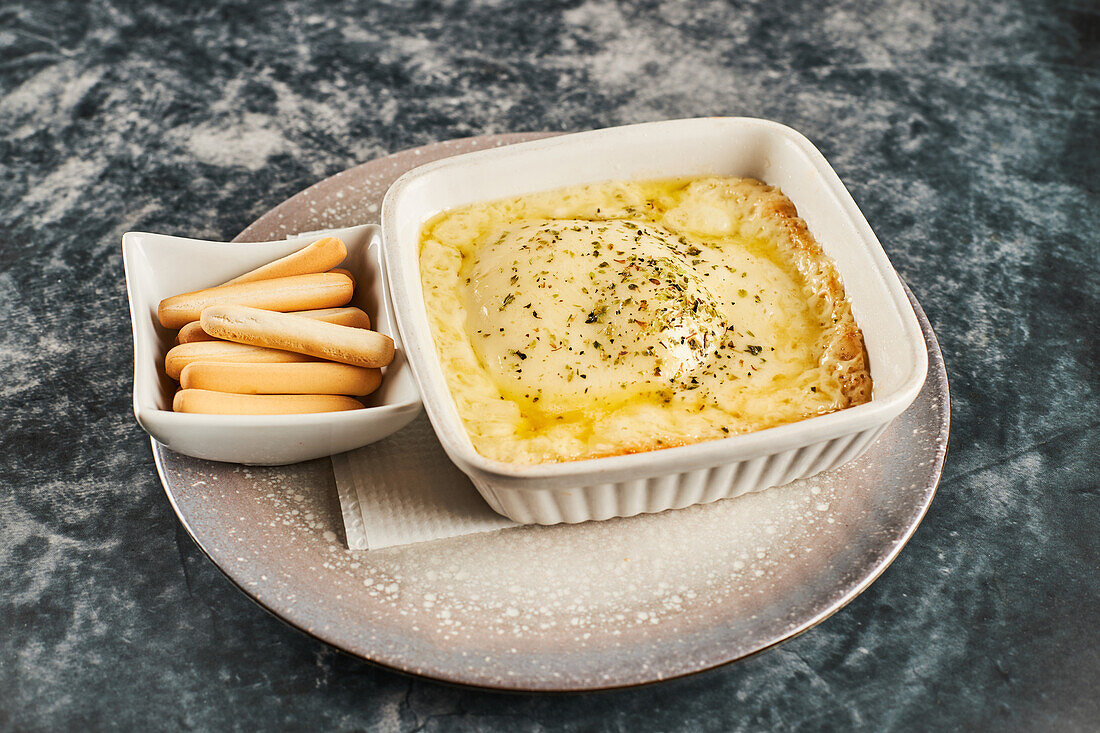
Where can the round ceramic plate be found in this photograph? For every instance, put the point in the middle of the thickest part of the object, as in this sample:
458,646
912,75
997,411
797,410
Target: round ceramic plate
570,607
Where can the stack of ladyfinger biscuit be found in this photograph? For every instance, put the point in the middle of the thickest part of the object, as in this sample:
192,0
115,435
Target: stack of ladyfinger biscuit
276,340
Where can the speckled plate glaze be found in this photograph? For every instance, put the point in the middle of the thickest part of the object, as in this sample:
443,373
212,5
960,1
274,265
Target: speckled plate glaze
598,605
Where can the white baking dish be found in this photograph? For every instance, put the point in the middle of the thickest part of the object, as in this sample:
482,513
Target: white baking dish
158,266
676,477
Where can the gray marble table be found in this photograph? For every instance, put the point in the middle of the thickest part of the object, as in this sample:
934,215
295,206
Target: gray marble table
967,132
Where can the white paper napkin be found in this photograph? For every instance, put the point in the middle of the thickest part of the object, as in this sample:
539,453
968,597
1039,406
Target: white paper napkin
404,489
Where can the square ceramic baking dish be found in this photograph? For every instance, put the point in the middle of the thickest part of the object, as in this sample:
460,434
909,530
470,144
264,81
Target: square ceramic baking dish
676,477
158,266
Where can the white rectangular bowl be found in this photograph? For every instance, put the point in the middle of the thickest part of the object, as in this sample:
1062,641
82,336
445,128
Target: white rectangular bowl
676,477
158,266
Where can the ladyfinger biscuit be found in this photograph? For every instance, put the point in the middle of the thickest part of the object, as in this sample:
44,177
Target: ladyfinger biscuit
322,255
180,356
347,316
299,292
317,377
343,271
192,333
291,332
227,403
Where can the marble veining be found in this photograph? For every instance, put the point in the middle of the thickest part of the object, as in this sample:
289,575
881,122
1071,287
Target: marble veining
967,132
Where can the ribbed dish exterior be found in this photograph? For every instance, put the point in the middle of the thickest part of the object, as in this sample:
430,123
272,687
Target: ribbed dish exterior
673,491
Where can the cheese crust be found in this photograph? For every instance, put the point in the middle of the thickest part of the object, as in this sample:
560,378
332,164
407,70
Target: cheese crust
622,317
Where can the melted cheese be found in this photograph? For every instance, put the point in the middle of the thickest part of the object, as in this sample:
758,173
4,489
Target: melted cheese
622,317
